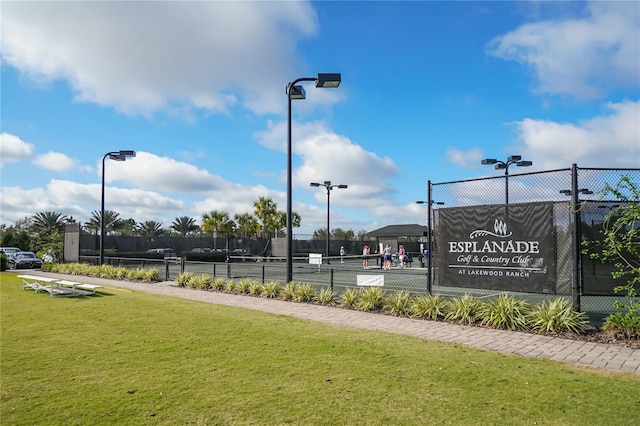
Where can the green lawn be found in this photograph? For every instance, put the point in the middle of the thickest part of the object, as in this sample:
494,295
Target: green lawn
134,358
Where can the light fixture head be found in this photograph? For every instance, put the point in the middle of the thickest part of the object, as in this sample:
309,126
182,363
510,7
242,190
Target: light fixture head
342,186
585,191
421,202
329,80
489,161
524,163
327,183
117,157
514,158
565,191
297,92
500,166
440,203
127,153
314,184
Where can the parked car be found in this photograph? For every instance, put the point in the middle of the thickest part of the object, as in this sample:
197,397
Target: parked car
168,253
24,259
9,250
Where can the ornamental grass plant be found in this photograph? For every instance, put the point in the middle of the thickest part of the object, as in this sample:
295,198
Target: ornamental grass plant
554,316
429,306
466,309
506,312
398,303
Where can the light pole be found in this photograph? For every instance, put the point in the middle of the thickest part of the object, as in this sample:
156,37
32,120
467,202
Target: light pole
514,159
327,184
429,204
297,92
117,156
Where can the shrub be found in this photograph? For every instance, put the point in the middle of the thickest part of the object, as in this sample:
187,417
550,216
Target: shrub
255,288
556,315
182,280
327,296
506,313
623,325
244,286
372,299
138,274
230,286
272,289
621,246
202,281
107,271
218,284
351,297
465,309
399,303
289,291
304,293
3,262
429,306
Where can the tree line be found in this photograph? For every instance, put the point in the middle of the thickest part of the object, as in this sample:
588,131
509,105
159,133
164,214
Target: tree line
43,232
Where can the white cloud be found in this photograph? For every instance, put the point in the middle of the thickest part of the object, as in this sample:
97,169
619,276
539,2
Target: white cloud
326,155
466,159
89,45
611,140
14,149
149,171
55,161
584,58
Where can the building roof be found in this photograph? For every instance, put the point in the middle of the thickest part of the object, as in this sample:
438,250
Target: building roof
413,230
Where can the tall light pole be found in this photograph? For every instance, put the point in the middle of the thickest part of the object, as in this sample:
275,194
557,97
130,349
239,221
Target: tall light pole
327,184
297,92
500,165
429,204
121,155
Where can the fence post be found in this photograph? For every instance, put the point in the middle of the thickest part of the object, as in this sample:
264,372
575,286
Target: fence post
262,274
229,270
575,211
429,237
331,281
166,270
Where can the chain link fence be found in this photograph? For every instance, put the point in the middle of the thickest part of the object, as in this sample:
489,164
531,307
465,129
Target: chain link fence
580,206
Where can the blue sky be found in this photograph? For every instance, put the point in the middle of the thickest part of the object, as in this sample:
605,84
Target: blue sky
197,89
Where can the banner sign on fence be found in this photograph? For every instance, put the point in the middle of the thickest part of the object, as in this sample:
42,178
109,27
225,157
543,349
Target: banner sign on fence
370,280
497,247
315,259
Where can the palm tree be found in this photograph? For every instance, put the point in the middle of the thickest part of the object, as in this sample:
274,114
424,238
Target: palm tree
46,223
247,224
127,227
112,222
217,221
150,228
280,221
184,225
264,209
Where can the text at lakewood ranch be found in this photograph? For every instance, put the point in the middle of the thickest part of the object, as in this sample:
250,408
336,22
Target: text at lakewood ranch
498,247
